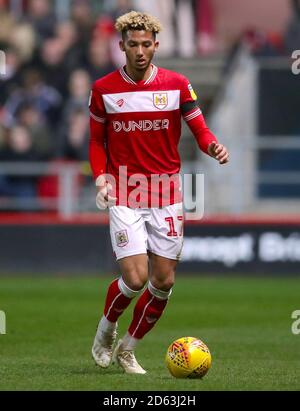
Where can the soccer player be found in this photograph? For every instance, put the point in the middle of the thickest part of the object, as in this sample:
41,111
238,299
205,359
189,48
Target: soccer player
135,124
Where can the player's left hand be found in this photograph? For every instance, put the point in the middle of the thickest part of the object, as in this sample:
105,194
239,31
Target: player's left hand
219,152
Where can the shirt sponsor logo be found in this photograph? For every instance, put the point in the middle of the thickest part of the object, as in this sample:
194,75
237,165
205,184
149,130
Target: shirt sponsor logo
142,101
142,125
160,100
120,102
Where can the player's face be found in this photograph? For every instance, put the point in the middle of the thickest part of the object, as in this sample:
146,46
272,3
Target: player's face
139,47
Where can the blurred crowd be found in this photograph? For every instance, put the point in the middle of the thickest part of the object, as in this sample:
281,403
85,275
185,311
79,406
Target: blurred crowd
54,54
55,50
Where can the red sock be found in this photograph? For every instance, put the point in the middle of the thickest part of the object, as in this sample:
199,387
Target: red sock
116,302
147,311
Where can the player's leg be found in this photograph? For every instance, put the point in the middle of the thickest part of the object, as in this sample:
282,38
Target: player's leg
165,241
152,302
135,274
128,241
119,296
147,311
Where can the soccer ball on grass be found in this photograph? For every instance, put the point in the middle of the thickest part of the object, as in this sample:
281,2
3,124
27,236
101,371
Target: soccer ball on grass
188,357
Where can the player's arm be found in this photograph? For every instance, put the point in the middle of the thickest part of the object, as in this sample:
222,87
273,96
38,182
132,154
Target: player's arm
193,116
97,151
97,154
206,140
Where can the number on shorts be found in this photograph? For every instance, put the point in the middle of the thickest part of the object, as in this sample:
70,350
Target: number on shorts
173,232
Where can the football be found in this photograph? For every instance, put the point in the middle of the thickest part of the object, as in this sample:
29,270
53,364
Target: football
188,357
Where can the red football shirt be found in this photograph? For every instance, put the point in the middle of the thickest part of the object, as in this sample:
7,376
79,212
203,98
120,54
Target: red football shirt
142,125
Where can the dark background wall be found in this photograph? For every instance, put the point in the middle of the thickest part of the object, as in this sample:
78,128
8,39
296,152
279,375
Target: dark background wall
209,248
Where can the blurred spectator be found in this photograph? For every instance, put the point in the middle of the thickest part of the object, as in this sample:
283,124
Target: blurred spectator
12,78
44,98
99,62
40,15
206,43
259,43
292,35
23,39
19,148
75,136
116,8
79,91
67,34
3,137
82,16
7,23
186,30
53,66
29,117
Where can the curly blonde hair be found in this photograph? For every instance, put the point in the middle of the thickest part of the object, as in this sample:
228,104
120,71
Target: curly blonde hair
138,21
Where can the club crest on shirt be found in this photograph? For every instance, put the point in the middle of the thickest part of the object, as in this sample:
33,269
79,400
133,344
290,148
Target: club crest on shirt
160,100
121,238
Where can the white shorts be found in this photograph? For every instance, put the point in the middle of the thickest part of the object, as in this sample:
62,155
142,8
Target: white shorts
136,231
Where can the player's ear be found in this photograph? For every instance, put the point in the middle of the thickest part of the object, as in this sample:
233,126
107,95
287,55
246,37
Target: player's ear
156,45
121,45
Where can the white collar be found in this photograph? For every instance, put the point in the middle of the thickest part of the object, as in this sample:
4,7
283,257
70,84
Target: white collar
128,79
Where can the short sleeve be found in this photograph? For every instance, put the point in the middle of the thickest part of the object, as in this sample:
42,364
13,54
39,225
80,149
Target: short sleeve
96,106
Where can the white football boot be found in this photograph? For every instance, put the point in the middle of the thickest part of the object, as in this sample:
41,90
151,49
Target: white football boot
126,360
102,350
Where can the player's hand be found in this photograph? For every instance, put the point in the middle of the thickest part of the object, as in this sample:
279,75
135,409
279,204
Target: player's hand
103,199
219,152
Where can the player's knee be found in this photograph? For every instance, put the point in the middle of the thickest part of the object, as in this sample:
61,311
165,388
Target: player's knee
137,285
136,280
164,283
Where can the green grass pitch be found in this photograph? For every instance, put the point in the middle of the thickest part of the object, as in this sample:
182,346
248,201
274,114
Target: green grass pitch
246,323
